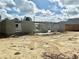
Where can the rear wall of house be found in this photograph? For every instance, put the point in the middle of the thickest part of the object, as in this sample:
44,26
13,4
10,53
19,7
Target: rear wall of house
72,25
0,27
27,26
43,27
8,27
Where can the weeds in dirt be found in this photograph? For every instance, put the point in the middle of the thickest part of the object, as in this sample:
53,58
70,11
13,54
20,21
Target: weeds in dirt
47,55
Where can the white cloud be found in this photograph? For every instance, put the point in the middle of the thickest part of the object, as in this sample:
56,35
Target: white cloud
2,5
24,6
70,2
46,12
4,14
28,7
8,3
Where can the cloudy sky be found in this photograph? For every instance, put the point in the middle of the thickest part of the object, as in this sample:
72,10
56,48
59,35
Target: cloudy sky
39,8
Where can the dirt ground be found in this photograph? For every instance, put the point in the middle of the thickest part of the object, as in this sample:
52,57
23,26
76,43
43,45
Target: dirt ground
40,47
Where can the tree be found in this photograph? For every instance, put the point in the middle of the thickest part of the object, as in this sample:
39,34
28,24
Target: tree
27,18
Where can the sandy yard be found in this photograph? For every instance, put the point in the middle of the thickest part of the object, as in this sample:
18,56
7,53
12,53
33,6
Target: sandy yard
40,47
